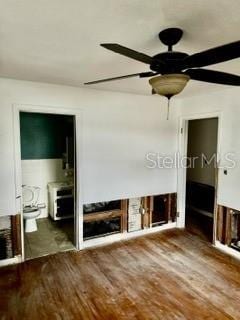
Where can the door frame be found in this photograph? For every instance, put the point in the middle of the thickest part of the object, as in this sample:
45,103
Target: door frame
77,114
182,172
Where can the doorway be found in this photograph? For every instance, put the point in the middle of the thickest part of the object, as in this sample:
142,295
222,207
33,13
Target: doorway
201,183
47,144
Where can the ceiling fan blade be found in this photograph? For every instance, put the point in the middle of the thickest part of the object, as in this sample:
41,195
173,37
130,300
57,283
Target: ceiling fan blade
215,55
128,52
140,75
213,76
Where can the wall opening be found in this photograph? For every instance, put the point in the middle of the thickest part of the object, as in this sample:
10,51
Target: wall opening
48,182
201,176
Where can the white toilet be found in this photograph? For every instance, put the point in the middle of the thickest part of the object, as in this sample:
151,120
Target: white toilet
31,208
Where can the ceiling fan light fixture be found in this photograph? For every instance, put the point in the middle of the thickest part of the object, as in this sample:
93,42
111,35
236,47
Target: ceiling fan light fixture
169,85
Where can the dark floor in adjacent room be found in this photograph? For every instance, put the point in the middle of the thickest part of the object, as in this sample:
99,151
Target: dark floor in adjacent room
174,274
200,224
51,237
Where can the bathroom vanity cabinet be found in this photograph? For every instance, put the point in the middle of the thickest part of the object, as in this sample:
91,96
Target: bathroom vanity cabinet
61,200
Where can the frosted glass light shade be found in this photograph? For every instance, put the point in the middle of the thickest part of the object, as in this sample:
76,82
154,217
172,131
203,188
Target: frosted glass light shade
169,84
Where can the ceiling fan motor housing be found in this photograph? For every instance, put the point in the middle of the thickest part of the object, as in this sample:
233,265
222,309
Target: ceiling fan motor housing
172,60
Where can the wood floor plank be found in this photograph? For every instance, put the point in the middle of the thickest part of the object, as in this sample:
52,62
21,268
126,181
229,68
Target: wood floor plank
169,275
192,275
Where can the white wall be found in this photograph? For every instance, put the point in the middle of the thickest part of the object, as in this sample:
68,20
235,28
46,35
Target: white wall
117,131
227,103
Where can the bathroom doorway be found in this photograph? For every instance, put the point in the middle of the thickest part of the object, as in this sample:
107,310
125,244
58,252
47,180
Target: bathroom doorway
48,180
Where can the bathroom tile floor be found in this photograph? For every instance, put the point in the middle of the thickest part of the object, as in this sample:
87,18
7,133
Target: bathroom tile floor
51,237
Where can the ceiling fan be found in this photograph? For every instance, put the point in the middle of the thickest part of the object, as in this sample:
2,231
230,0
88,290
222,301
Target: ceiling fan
177,68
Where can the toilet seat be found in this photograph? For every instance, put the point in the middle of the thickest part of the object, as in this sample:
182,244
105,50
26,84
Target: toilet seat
30,196
27,209
31,210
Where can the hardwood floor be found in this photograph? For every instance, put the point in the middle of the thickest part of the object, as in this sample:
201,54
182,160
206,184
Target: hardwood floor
169,275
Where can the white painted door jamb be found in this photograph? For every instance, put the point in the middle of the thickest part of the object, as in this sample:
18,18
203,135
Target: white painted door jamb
76,112
182,151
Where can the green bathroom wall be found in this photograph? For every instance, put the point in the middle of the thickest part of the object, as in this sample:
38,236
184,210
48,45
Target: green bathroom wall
43,136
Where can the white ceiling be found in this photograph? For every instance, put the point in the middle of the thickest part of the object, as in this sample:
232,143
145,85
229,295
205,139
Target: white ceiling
58,41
